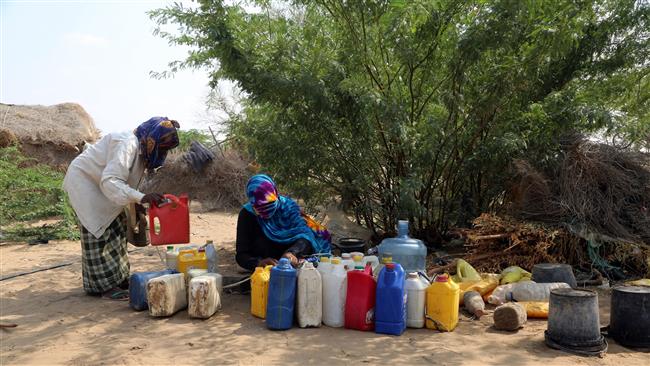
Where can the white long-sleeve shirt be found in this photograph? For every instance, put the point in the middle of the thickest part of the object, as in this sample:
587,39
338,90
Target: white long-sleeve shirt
103,179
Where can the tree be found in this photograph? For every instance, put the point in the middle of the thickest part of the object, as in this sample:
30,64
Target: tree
415,109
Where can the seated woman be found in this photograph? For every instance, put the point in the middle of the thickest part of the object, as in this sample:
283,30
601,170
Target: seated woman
271,226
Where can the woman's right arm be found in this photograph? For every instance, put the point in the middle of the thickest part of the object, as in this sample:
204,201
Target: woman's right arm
245,256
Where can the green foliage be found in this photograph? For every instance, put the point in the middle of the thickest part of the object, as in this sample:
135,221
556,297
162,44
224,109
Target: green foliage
187,136
32,192
415,109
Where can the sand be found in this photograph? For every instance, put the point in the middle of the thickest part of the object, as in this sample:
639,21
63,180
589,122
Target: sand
59,324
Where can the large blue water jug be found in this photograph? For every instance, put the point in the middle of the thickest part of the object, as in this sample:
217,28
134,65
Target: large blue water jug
390,305
281,297
138,288
410,253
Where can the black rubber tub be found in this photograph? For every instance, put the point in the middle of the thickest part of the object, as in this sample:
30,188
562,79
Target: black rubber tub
554,272
349,245
629,322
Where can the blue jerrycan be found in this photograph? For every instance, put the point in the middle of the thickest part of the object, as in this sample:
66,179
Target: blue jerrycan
282,296
138,288
390,305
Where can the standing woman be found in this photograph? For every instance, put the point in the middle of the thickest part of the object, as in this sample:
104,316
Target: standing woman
100,182
271,226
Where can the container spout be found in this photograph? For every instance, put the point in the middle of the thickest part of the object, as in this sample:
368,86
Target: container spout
403,228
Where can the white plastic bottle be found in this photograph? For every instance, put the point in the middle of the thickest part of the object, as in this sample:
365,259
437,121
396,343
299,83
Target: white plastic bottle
324,265
347,261
530,291
309,302
166,294
171,258
334,291
415,300
204,298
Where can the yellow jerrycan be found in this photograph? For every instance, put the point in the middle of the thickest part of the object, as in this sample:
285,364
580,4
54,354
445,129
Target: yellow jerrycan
442,304
260,291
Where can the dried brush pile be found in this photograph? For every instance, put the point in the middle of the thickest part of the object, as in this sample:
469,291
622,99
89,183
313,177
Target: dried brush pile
220,184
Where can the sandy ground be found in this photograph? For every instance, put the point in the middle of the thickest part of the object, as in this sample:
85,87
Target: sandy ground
58,324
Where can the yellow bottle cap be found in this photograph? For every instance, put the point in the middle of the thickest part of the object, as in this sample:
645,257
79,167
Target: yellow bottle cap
324,259
386,260
336,260
357,258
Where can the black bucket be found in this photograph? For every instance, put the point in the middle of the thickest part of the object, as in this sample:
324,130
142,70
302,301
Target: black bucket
349,245
573,322
629,323
554,272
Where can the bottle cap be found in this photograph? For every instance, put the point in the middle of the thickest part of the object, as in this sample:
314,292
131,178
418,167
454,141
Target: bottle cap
201,250
258,269
209,242
358,268
357,258
442,278
308,265
413,275
346,256
284,262
170,248
386,260
324,259
336,260
390,266
403,228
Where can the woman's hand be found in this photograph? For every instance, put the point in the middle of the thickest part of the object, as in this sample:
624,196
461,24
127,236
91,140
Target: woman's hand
292,258
267,262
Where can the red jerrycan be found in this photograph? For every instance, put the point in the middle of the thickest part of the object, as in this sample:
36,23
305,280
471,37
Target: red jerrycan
360,300
173,220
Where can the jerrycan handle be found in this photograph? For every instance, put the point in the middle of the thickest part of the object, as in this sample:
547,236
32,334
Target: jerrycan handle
169,199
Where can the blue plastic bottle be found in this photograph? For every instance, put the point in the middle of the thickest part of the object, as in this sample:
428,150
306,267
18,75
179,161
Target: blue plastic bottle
390,306
282,296
408,252
138,288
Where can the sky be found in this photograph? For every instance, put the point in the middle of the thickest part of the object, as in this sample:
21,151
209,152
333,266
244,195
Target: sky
98,53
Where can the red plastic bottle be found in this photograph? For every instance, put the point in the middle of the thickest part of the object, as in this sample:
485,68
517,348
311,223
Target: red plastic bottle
360,300
174,221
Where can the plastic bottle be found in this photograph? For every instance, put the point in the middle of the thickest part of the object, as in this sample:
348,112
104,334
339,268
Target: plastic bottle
347,261
334,294
309,304
171,258
190,259
166,294
410,253
282,296
260,291
360,299
385,259
415,299
211,254
530,291
324,265
204,298
442,304
390,308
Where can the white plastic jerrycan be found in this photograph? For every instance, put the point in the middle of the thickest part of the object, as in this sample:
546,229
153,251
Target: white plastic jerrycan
310,297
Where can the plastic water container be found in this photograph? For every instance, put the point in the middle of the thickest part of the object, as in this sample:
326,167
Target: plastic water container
347,261
360,300
138,288
390,307
192,259
166,294
531,291
442,304
173,218
415,300
211,255
410,253
204,298
324,265
309,302
334,294
171,258
282,296
260,291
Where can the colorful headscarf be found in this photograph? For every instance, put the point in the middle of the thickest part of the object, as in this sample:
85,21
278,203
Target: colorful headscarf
281,218
156,136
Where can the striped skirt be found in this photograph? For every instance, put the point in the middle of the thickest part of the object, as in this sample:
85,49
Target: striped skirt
104,260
